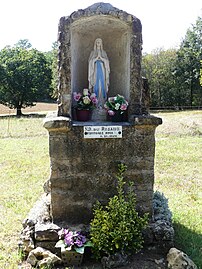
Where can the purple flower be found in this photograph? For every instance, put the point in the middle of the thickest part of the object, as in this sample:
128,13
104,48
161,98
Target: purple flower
78,243
69,238
80,240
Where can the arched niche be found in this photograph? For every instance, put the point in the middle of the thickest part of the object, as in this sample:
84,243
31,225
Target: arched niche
115,35
121,34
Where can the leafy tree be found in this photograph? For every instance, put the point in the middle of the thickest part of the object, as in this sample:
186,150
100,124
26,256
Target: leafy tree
187,69
25,76
23,43
157,68
51,57
174,75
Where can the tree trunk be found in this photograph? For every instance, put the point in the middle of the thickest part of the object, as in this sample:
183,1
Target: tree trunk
191,93
18,111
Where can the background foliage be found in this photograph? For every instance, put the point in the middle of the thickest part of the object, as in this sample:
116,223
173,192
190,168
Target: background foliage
174,74
25,76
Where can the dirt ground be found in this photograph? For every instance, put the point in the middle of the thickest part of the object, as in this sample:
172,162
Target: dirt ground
39,108
147,259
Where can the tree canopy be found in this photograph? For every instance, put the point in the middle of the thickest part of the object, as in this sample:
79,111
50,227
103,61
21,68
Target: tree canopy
157,68
188,64
51,57
174,75
25,76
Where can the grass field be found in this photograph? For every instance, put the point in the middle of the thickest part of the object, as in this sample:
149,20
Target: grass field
24,167
39,107
178,174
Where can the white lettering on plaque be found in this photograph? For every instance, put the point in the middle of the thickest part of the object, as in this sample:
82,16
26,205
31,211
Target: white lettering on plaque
102,131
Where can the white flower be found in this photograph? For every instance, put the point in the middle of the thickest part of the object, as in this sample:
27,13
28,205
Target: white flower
86,100
85,92
117,106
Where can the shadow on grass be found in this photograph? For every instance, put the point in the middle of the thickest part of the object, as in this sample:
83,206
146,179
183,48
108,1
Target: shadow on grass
31,115
189,242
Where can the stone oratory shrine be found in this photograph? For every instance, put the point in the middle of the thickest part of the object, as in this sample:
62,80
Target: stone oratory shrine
82,169
99,49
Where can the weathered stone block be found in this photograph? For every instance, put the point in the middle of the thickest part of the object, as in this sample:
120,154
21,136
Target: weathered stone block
49,245
86,169
46,232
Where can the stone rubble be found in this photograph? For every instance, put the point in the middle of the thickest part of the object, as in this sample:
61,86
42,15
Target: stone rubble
41,257
179,260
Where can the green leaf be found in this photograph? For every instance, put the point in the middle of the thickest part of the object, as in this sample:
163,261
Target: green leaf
60,244
88,244
79,250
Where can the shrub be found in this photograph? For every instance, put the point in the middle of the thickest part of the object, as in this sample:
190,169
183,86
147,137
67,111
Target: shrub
117,227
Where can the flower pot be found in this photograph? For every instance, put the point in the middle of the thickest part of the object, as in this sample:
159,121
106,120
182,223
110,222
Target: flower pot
118,116
71,258
83,115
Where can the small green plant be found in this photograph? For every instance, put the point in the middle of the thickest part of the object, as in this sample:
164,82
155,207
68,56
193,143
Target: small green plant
117,227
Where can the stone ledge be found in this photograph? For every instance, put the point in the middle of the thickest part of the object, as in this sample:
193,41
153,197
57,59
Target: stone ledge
145,120
57,124
64,124
99,123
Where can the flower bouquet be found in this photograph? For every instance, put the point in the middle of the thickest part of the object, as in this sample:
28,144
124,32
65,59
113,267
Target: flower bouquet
72,246
85,103
117,108
86,100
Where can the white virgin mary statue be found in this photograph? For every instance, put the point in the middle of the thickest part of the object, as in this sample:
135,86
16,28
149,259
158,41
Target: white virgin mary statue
98,72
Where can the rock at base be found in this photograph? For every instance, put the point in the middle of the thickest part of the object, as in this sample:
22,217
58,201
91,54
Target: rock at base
179,260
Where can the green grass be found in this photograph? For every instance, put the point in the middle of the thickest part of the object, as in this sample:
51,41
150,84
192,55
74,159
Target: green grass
24,167
178,174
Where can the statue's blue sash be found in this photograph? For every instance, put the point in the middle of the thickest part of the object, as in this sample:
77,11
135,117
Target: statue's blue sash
99,79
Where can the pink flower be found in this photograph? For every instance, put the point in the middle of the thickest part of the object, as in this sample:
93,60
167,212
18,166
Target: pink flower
123,107
111,99
106,106
93,95
94,100
111,112
77,96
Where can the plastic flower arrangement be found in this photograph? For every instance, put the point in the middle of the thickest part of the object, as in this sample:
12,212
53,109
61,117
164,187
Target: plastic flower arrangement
70,240
86,100
117,103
